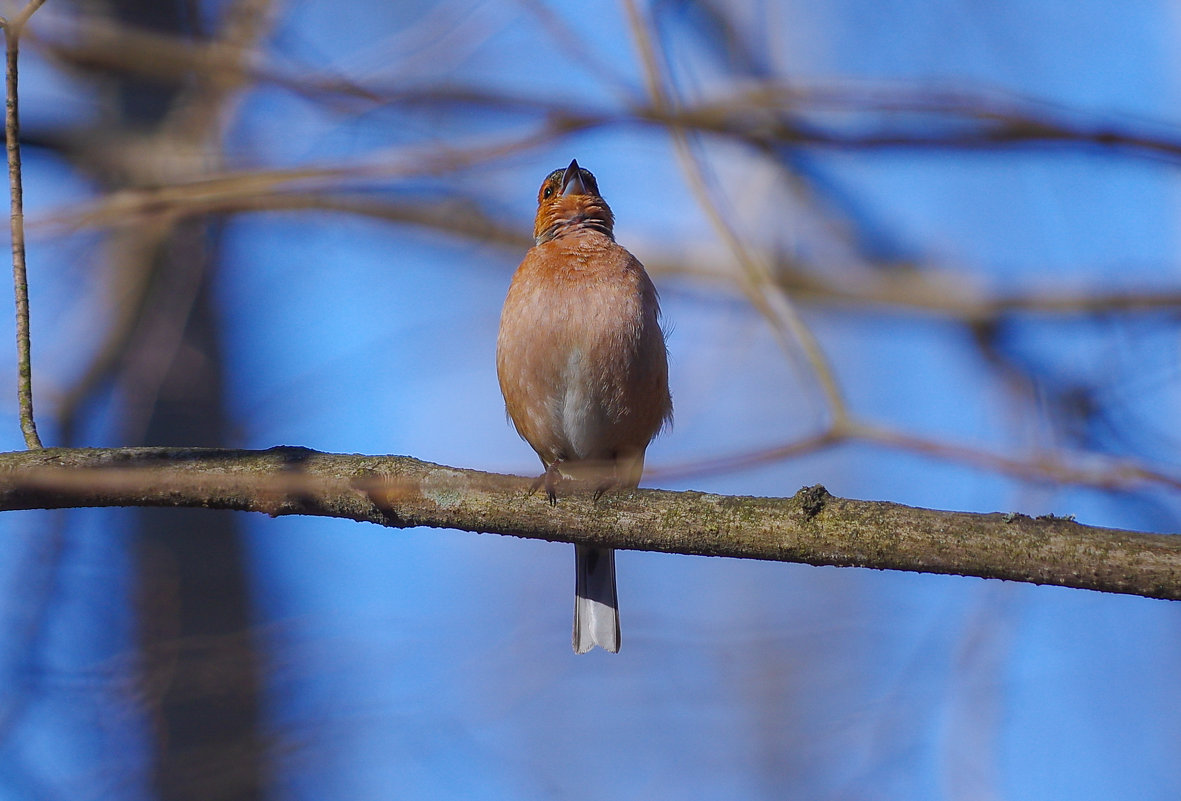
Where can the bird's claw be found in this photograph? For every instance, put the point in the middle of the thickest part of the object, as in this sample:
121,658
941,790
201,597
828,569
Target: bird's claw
603,486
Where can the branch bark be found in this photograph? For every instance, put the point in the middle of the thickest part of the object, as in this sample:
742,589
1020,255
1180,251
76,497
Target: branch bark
12,33
811,527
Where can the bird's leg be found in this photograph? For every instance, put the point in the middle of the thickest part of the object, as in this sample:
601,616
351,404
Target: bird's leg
552,477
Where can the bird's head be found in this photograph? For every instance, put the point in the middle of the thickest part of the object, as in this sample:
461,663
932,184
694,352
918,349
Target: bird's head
569,201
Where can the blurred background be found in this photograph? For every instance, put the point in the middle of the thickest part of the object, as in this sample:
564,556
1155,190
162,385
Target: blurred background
925,252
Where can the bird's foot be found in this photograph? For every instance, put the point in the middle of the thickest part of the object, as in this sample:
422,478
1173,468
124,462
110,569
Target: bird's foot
549,479
552,477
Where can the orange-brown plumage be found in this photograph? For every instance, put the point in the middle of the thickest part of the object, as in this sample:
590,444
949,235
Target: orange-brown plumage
582,365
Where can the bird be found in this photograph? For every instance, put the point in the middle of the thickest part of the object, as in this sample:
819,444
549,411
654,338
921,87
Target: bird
583,366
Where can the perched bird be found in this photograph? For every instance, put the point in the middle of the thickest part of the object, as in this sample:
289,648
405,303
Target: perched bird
583,368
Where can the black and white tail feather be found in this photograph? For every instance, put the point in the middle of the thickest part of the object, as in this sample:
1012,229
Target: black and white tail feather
596,604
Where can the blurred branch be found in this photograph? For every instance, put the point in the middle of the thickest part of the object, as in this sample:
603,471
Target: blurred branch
933,291
856,117
208,105
938,292
131,252
266,189
1101,472
12,33
764,113
768,298
943,293
97,43
459,217
811,527
184,145
929,290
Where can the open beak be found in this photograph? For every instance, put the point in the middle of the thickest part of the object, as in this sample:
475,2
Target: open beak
572,180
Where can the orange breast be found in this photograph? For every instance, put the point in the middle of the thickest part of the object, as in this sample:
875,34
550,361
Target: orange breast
581,357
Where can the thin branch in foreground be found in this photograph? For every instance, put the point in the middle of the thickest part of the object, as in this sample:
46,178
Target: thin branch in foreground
20,283
812,527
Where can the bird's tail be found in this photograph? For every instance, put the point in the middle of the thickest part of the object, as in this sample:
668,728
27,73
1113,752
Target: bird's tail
596,607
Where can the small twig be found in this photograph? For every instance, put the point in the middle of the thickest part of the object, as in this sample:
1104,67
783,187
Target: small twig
20,283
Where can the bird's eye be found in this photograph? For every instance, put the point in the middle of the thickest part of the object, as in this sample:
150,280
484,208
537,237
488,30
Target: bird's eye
549,192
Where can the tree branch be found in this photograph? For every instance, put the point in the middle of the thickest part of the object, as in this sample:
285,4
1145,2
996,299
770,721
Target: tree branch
812,527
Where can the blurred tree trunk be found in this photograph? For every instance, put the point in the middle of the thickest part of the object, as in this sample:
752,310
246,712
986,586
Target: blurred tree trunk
199,659
200,666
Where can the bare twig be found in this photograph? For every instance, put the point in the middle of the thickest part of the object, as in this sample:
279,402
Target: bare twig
20,283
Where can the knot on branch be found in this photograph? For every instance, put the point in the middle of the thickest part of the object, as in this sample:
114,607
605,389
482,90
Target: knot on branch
812,499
